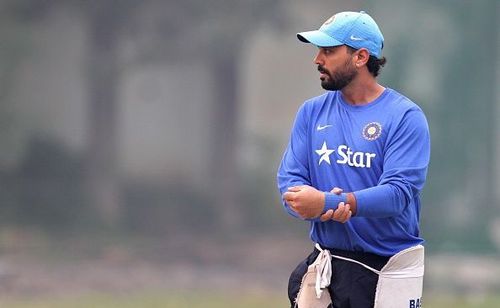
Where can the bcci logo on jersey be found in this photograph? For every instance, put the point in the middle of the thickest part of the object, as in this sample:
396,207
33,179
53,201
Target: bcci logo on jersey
372,131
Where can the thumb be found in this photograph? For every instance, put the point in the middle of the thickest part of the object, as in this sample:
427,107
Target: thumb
326,216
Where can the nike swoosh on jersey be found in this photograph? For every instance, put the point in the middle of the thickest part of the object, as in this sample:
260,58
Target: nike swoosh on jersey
323,127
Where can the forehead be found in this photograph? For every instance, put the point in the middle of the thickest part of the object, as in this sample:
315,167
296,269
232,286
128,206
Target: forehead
334,48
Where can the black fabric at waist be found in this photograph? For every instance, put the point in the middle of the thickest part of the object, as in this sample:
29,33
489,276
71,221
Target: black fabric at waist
370,259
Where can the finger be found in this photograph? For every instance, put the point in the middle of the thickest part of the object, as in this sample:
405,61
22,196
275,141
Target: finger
291,204
349,215
288,196
339,211
336,190
326,216
344,216
294,188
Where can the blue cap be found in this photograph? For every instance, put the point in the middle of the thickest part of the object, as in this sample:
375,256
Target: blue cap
357,30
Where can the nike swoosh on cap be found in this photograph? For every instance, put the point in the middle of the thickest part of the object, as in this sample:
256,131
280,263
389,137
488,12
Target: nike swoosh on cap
355,38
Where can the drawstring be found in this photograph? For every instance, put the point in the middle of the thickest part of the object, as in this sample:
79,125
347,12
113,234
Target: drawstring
323,270
357,262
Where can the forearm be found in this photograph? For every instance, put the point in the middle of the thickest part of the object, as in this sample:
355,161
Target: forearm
307,203
332,201
378,201
351,200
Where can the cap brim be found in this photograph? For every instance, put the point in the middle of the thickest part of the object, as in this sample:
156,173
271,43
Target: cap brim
318,38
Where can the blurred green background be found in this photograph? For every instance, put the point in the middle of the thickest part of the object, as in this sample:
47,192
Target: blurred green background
139,142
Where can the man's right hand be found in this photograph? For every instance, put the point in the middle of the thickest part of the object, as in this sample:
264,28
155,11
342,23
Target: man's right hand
305,200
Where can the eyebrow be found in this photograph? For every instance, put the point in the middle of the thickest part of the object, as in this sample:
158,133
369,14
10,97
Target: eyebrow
330,47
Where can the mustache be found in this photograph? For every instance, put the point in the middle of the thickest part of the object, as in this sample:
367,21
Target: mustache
321,69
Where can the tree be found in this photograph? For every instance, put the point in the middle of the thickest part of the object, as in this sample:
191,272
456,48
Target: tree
214,32
211,32
463,139
106,22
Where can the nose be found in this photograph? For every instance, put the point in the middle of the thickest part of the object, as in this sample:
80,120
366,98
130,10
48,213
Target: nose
318,60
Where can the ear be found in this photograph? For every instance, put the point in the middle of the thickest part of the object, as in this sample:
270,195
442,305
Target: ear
361,57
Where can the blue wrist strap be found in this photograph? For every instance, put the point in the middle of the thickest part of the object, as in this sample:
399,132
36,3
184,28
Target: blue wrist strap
332,200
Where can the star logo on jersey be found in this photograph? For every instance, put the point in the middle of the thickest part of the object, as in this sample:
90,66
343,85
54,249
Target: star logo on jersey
372,131
324,154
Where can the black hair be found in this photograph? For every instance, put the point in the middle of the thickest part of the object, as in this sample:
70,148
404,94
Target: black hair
374,65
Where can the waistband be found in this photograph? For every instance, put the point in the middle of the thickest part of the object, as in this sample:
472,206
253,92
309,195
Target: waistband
370,259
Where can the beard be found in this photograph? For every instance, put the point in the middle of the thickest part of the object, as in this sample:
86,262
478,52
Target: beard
338,79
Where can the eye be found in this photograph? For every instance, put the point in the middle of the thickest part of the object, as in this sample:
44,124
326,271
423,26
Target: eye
327,51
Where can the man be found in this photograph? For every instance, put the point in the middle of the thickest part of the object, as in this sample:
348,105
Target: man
356,162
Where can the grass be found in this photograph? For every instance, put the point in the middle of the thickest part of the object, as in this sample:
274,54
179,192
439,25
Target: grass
151,300
471,301
184,299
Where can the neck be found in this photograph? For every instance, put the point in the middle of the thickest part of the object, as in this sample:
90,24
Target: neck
361,92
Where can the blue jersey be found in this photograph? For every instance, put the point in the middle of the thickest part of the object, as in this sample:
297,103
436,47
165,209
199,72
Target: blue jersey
379,151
